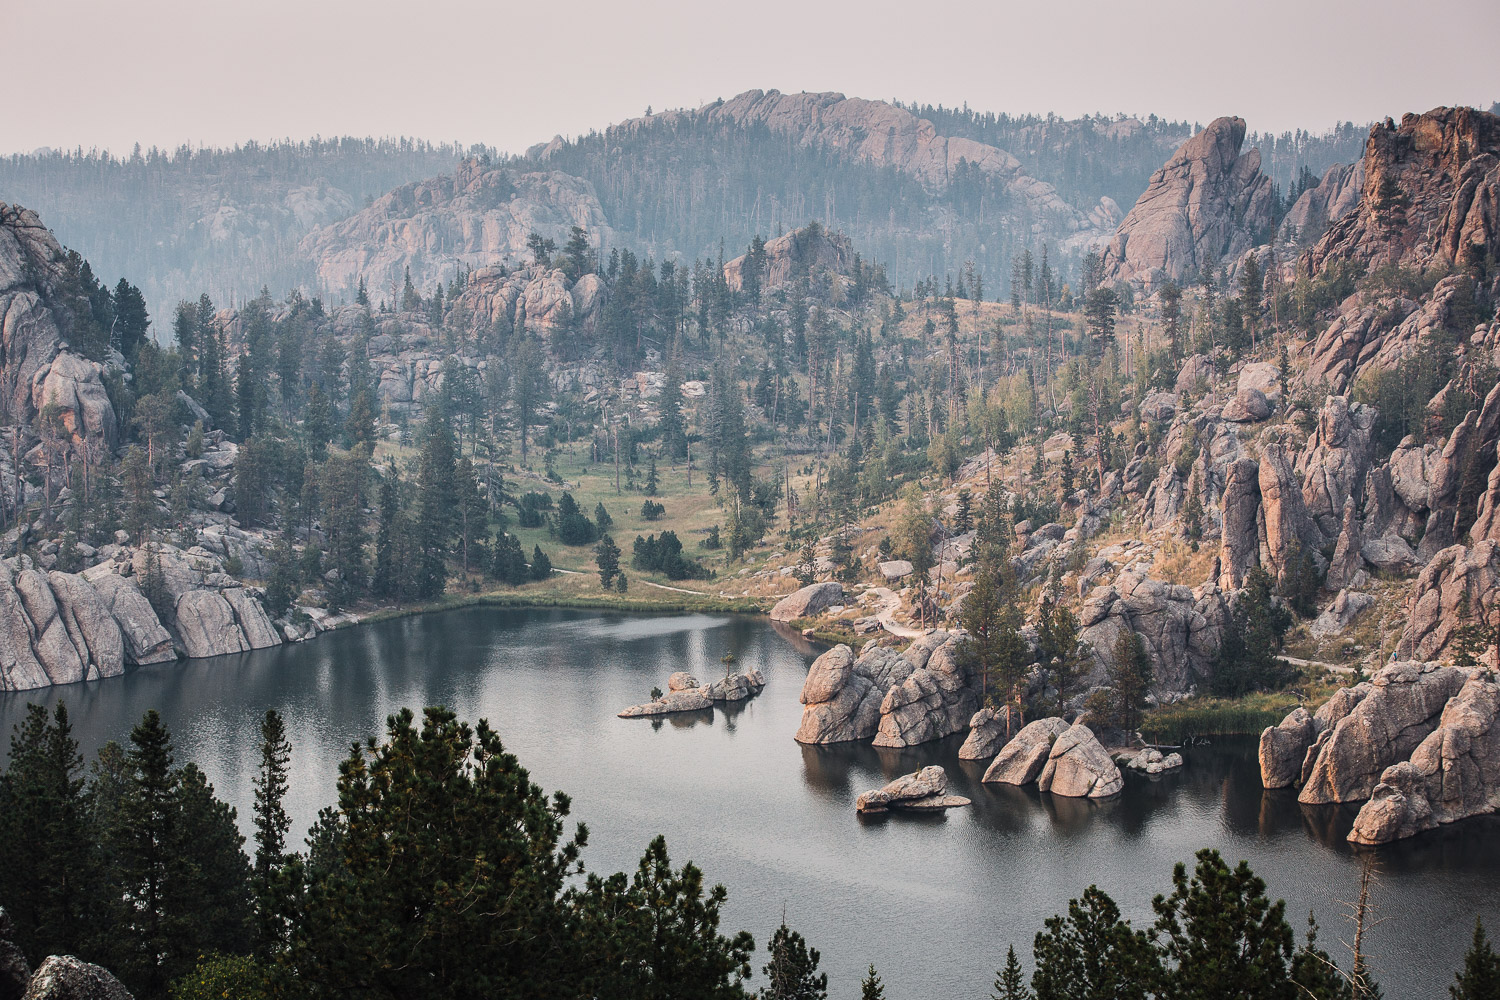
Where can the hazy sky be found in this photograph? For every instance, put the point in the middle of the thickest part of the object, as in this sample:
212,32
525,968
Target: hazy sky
106,73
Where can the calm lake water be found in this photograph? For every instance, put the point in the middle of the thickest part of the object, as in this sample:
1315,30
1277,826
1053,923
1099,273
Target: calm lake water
933,901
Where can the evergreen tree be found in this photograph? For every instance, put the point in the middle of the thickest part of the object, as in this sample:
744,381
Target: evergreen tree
473,512
1063,654
992,617
388,571
49,881
271,825
1171,315
344,476
871,988
1220,937
1010,982
1480,978
1099,314
541,566
507,563
607,558
1313,971
442,873
131,320
436,505
602,520
653,484
1091,954
792,972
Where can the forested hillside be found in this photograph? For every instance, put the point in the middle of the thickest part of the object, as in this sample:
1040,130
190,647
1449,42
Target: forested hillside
224,221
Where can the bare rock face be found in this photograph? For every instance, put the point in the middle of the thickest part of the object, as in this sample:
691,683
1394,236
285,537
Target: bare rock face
1456,579
63,977
1181,627
1454,773
989,731
537,296
922,791
1239,544
808,251
479,216
1403,706
681,700
1339,614
840,705
206,625
1336,195
1197,368
1346,568
1336,461
1021,761
38,368
1248,406
1204,205
146,641
1283,747
58,628
1431,194
1079,768
736,687
935,701
1284,518
810,600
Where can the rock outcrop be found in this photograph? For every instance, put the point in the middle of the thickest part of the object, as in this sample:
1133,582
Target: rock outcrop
935,701
1336,461
1153,761
63,977
810,600
683,695
1454,773
1180,627
146,641
1285,524
1402,707
1283,748
478,216
1020,761
812,251
54,629
1239,540
922,791
1431,194
1457,588
736,687
896,699
40,368
1207,204
989,731
1337,194
1079,768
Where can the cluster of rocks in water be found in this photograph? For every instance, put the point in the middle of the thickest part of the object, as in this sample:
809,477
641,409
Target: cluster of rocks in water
59,977
1418,744
685,694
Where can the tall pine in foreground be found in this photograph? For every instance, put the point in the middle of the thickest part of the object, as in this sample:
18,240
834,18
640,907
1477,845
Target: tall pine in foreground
271,826
1480,978
792,972
1010,982
871,988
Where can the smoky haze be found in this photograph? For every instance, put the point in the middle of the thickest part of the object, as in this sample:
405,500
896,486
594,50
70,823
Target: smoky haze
165,72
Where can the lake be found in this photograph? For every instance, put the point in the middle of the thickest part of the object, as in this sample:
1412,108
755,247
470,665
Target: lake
933,901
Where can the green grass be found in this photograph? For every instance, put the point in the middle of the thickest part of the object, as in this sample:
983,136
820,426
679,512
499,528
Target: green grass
1204,716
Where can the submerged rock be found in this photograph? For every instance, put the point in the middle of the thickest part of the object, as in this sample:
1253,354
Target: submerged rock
923,791
691,700
1153,761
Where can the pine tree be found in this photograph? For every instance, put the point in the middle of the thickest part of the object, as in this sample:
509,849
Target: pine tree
607,558
271,826
871,988
1480,978
50,877
1314,973
653,484
1091,954
1010,983
436,503
1220,936
541,566
793,969
387,581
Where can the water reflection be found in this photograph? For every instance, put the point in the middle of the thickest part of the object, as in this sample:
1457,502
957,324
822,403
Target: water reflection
774,820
